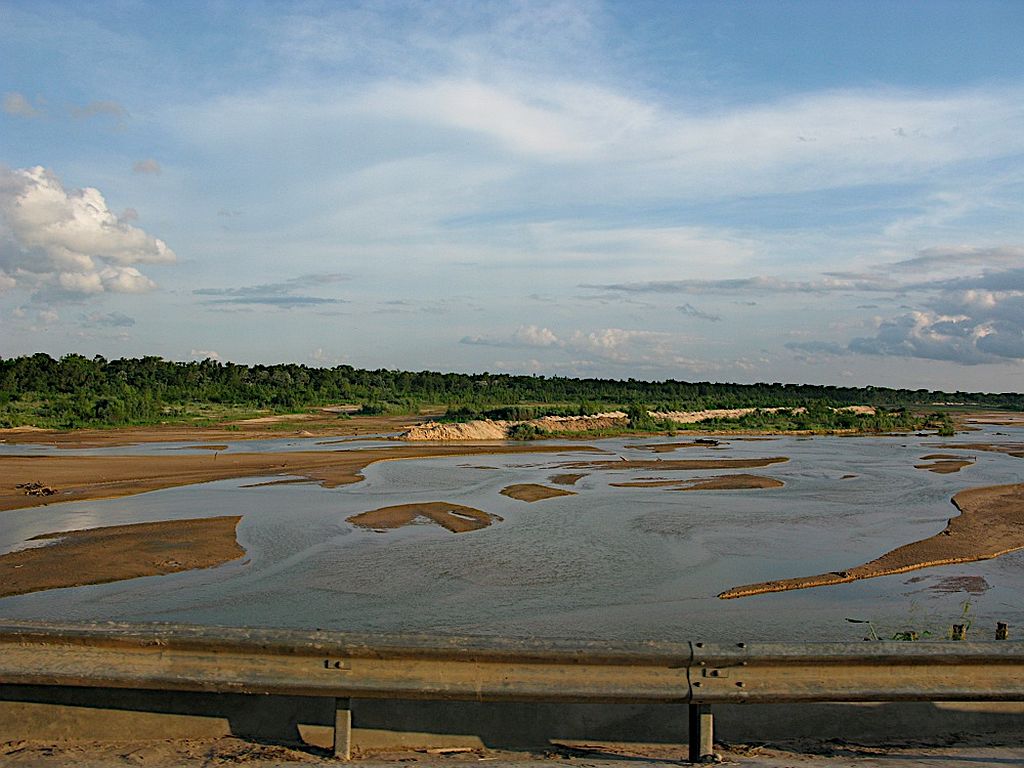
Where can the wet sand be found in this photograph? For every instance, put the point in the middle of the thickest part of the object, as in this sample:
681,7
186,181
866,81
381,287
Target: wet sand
669,447
454,517
991,523
567,479
1010,449
292,425
533,492
101,555
675,464
944,463
741,482
78,478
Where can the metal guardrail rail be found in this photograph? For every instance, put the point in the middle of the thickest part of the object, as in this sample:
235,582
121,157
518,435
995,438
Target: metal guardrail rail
344,666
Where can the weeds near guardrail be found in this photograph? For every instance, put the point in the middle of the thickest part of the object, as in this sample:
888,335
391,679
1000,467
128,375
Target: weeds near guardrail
957,630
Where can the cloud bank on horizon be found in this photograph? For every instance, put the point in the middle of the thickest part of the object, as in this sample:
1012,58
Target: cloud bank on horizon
684,190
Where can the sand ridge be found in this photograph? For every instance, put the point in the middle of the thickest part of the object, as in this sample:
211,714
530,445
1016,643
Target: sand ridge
453,517
991,523
669,465
118,552
739,482
533,492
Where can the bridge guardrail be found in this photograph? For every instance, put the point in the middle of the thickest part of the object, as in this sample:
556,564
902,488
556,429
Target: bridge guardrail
343,666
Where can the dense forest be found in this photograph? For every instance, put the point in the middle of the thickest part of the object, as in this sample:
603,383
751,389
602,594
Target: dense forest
77,391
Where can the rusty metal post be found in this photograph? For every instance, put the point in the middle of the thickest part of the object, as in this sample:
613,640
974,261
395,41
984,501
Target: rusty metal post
702,734
1002,631
343,729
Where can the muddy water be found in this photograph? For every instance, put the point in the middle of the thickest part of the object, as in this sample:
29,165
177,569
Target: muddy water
625,563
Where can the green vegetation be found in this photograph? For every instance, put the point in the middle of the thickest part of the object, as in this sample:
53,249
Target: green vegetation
76,391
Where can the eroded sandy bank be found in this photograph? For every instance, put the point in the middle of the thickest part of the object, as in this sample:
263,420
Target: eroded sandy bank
991,523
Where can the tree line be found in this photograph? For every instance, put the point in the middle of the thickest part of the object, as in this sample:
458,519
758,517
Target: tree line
75,391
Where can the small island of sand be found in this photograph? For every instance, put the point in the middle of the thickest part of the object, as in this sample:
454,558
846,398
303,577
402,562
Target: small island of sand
454,517
669,465
533,492
991,523
944,463
114,553
567,479
740,482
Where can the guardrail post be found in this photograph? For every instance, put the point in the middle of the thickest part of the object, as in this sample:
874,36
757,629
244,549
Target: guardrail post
343,729
702,733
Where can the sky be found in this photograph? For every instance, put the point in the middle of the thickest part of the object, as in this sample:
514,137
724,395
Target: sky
806,192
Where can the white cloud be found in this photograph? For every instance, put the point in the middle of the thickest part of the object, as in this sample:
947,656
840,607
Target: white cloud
532,336
16,104
68,241
204,354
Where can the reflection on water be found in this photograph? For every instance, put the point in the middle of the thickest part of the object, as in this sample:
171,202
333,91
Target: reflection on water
626,563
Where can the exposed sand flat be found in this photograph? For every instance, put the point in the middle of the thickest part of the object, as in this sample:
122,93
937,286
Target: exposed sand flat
1010,449
454,517
998,419
533,492
100,555
741,482
669,465
945,466
991,523
76,478
567,479
324,424
670,447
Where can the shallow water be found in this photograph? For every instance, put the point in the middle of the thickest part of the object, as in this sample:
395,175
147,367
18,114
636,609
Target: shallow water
623,563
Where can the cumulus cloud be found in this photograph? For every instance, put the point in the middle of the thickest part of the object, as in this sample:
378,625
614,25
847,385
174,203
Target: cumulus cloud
282,295
204,354
148,166
59,241
16,104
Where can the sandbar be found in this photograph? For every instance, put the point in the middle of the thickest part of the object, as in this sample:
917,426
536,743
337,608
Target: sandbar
78,478
991,523
454,517
1010,449
114,553
669,447
533,492
944,465
321,423
567,479
740,482
668,465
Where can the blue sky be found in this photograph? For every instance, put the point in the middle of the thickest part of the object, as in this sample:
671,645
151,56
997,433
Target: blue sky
794,191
